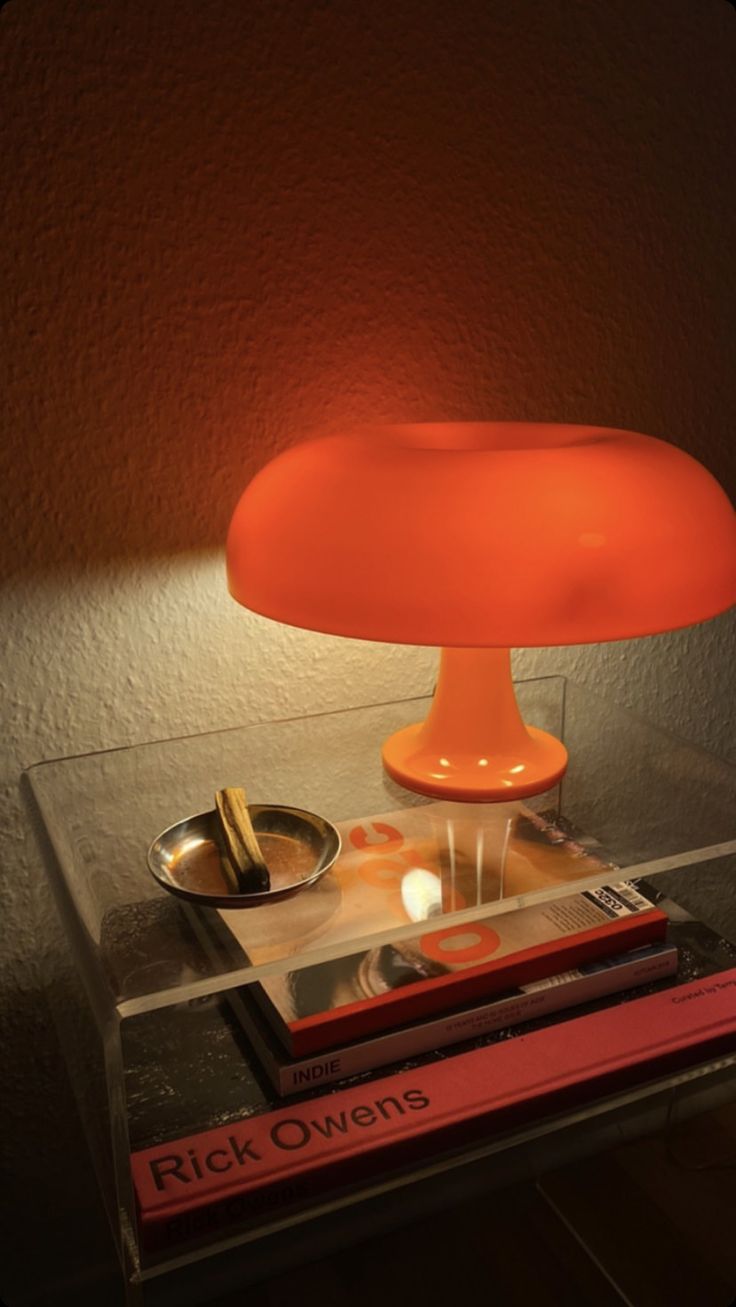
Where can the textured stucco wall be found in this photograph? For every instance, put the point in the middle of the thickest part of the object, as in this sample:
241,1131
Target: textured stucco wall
231,224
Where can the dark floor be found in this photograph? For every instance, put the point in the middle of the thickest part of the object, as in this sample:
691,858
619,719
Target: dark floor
512,1248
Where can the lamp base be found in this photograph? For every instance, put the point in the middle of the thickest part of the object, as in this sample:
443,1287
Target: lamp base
474,745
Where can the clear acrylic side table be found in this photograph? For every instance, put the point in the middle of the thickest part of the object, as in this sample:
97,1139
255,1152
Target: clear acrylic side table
139,1007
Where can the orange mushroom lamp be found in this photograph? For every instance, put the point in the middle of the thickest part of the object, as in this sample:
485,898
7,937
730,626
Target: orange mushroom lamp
478,537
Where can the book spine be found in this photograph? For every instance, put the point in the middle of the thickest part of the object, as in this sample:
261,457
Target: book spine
425,998
284,1157
561,992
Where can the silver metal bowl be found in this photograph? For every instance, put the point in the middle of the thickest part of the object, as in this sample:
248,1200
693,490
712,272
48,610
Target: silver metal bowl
298,847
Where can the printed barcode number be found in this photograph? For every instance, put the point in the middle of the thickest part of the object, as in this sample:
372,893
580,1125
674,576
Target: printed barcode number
618,900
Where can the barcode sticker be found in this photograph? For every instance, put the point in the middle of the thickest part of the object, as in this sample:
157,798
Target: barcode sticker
618,900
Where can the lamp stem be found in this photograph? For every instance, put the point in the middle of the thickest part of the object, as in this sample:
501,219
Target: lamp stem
473,744
474,706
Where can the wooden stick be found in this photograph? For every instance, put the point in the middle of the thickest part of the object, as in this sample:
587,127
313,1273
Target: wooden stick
240,843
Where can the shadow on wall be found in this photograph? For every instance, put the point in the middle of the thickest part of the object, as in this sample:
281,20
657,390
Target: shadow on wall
231,226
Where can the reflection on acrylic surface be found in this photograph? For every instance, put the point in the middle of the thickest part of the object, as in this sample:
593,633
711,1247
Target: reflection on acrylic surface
414,866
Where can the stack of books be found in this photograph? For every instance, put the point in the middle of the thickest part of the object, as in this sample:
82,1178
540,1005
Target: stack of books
338,1018
416,1045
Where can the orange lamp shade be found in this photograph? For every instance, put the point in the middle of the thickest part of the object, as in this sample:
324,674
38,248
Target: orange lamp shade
477,537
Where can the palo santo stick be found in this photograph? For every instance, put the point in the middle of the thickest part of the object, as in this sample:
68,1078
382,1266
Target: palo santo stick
232,876
240,841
